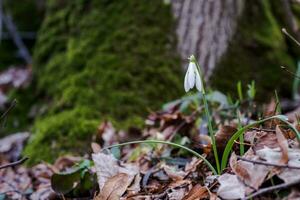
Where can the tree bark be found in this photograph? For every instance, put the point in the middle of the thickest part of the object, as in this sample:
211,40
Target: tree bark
205,27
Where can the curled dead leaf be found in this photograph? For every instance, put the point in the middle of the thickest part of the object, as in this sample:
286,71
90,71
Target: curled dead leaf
239,169
107,166
197,192
283,145
114,187
96,147
231,187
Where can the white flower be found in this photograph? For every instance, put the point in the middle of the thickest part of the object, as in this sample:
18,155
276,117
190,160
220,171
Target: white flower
192,76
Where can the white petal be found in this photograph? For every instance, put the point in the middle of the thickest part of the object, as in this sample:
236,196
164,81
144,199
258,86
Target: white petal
186,82
191,74
198,81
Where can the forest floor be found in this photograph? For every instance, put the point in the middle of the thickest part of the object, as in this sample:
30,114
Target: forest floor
171,158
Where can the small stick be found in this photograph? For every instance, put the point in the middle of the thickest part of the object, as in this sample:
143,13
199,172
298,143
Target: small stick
266,163
270,189
290,36
263,129
288,71
12,105
243,143
14,163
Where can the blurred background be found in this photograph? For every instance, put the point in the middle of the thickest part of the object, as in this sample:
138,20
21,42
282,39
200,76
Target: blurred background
68,65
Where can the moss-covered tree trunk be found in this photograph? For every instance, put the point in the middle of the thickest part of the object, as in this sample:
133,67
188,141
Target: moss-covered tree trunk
239,40
96,60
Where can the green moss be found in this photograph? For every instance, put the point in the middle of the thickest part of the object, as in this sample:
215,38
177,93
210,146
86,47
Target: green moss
256,52
62,133
97,60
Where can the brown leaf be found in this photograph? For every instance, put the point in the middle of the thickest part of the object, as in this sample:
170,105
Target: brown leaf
96,147
205,143
107,166
283,144
273,156
174,173
66,161
197,192
192,166
231,187
223,135
249,173
265,139
135,186
257,173
114,187
176,194
238,169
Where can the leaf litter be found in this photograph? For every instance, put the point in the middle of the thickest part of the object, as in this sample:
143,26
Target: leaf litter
270,165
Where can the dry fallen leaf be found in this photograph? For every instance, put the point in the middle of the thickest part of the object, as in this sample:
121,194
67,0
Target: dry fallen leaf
238,169
107,166
283,144
66,161
96,147
176,194
231,187
114,187
174,173
135,187
263,139
257,173
192,166
197,192
273,156
250,176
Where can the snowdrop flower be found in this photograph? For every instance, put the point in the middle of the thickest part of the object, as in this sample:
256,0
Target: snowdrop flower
192,76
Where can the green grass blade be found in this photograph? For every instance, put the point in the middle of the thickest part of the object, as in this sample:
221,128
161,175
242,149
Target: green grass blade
296,83
242,130
242,147
240,91
167,143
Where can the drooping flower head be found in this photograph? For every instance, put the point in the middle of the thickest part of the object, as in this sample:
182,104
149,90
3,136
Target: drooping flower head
192,77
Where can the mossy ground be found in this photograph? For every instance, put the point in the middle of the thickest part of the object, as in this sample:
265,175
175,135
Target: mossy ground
256,52
97,60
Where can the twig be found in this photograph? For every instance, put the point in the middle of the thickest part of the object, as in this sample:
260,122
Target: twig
243,143
14,163
263,129
266,163
288,71
269,189
12,29
12,105
290,36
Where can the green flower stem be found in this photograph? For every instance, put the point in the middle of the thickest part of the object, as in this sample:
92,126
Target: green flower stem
211,132
168,143
208,116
